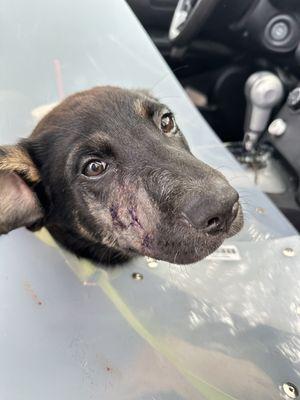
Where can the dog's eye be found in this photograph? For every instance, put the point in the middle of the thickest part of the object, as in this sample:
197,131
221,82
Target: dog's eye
167,123
94,168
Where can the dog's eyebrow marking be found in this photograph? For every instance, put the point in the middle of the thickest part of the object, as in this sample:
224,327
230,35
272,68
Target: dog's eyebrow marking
99,138
92,142
140,108
146,107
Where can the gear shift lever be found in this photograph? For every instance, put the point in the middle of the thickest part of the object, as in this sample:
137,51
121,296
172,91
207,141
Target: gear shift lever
263,90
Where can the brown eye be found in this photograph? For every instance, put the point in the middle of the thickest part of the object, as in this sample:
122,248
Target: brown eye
167,123
94,168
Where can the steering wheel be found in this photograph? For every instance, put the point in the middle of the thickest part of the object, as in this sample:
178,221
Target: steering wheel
189,18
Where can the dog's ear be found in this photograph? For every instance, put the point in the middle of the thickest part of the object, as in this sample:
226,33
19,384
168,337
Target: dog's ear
19,205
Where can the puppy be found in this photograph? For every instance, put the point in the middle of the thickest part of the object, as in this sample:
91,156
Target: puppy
111,176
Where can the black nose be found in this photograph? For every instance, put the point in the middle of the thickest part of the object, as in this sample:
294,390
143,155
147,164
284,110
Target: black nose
214,210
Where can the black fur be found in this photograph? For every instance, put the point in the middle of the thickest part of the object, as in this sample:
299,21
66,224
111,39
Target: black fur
139,204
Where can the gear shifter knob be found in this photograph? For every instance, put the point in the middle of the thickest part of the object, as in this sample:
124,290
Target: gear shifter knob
263,90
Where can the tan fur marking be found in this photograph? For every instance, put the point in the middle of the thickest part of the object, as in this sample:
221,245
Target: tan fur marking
84,232
140,108
16,159
109,241
18,204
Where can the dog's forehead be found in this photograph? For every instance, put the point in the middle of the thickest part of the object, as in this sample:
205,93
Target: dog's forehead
112,109
92,108
108,98
139,101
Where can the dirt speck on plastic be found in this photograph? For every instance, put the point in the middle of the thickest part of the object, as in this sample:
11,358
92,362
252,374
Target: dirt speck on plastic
28,288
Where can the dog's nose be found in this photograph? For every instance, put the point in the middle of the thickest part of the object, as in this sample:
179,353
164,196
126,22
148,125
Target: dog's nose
213,211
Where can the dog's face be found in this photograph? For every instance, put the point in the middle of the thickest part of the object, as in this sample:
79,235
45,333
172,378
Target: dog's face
109,173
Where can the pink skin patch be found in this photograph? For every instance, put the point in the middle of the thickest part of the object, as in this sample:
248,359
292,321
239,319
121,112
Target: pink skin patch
146,241
133,216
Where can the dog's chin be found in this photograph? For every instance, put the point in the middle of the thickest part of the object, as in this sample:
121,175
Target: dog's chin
187,247
188,251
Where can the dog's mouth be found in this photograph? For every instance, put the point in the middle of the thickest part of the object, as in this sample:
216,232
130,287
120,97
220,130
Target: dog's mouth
187,246
176,242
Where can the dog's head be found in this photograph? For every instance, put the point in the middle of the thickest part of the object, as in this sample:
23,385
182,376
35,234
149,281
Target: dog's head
109,173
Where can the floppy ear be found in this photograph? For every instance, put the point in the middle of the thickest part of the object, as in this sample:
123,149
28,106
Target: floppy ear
19,205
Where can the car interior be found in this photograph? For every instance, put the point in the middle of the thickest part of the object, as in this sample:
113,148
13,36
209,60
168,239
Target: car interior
238,61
